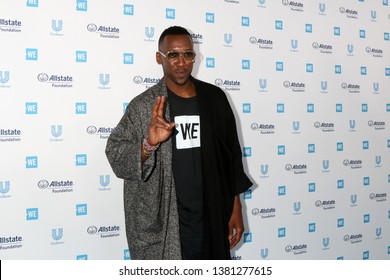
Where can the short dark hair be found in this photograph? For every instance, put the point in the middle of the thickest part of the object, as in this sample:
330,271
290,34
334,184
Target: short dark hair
173,30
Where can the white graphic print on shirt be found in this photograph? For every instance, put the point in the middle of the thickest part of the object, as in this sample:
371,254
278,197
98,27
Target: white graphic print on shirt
188,128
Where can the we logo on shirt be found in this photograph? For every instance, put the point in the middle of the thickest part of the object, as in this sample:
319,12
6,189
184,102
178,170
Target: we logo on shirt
188,128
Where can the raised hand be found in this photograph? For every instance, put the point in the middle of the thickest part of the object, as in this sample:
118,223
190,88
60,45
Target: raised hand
159,129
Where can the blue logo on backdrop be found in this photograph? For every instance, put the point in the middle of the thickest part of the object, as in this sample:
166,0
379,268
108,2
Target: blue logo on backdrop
385,2
378,233
104,181
340,222
311,148
325,243
309,68
31,162
366,255
264,169
82,257
325,165
57,235
280,108
126,254
312,227
56,132
104,80
210,62
32,3
386,36
340,184
246,108
278,24
247,151
81,56
245,21
312,187
81,209
128,58
353,200
128,9
375,87
31,214
363,70
246,64
210,17
294,45
82,5
56,26
373,16
336,31
309,28
248,194
281,190
366,181
247,237
31,108
310,108
81,108
264,252
31,54
149,33
337,69
339,108
340,146
281,232
5,186
281,150
322,8
4,79
366,218
81,160
279,66
170,13
296,127
387,71
263,85
297,208
378,161
364,108
227,38
362,33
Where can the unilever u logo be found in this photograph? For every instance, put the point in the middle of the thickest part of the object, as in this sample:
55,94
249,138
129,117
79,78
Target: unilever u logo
352,124
264,253
295,126
56,25
264,169
378,160
350,48
4,187
149,32
322,7
297,207
104,180
325,164
324,85
378,232
353,199
4,77
228,38
263,84
104,79
375,87
294,44
261,2
57,234
325,242
56,130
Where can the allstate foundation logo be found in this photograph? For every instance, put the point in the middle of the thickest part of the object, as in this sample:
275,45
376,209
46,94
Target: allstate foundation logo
296,168
296,249
104,231
233,1
102,132
353,163
5,187
294,5
349,13
147,82
104,183
378,197
10,135
353,238
197,38
11,26
324,126
57,81
350,88
264,212
4,79
295,86
323,48
104,31
104,81
375,52
377,125
263,128
56,133
228,85
149,34
326,204
56,26
57,234
11,242
262,43
60,186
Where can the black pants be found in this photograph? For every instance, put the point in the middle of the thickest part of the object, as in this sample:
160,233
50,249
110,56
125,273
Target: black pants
191,248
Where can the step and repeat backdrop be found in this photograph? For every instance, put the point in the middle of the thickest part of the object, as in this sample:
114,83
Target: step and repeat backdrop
309,82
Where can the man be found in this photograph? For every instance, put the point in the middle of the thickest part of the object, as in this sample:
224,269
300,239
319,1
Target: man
177,149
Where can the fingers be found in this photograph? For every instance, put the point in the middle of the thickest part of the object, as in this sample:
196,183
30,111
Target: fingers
158,107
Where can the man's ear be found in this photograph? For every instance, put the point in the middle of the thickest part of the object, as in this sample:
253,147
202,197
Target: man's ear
158,58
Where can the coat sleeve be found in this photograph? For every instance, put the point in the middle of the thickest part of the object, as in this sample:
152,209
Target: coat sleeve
123,149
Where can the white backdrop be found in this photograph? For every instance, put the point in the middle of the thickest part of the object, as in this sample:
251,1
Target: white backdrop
309,82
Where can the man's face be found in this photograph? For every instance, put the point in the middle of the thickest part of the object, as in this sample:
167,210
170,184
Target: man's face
177,71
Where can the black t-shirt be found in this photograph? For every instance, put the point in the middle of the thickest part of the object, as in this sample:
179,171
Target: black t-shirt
187,164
